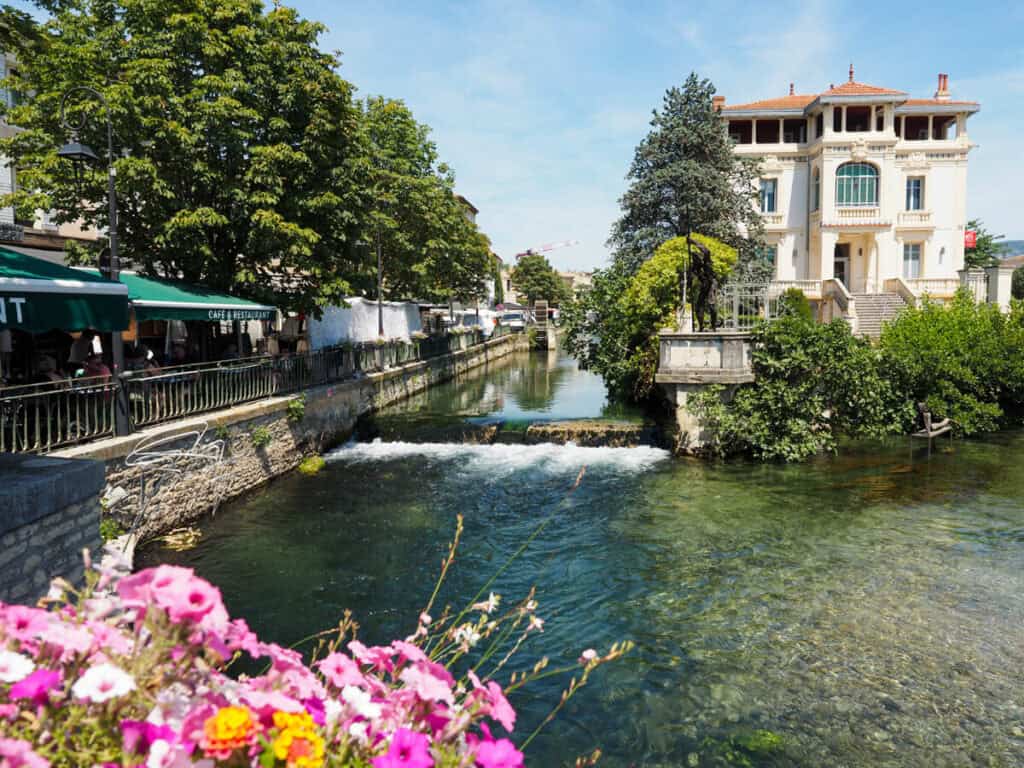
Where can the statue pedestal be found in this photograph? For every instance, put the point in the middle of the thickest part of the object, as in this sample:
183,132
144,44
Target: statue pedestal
689,363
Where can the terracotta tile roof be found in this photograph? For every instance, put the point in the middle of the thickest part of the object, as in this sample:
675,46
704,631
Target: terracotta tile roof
796,101
852,88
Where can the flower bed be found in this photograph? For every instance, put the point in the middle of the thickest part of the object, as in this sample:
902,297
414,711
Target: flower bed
135,670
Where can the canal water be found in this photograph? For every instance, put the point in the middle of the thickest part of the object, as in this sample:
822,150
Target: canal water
866,609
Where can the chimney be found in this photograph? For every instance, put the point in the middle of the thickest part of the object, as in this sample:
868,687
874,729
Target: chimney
790,89
942,94
717,102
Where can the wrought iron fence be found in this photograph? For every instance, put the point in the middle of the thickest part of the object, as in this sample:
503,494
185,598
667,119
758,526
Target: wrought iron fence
39,418
741,306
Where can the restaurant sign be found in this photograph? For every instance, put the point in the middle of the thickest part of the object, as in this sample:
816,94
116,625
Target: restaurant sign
240,314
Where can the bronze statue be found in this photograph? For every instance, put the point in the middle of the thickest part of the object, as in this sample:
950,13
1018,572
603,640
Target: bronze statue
702,274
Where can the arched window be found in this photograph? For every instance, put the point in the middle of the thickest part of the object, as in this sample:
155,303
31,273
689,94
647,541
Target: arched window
857,184
817,190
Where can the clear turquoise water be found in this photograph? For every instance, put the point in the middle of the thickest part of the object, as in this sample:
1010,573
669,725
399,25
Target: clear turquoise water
866,608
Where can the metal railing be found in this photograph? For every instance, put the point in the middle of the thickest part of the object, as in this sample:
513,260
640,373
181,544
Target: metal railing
41,417
741,306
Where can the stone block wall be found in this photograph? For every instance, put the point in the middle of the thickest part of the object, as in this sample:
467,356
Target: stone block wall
49,513
263,440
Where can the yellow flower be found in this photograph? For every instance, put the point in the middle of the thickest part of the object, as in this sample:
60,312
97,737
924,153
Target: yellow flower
226,731
298,743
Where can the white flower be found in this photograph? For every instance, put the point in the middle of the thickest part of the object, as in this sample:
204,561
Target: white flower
490,605
466,636
14,667
360,701
102,683
332,711
536,623
358,730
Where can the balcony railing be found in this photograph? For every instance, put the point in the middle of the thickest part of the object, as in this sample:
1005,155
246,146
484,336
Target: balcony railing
938,287
810,288
772,219
858,212
914,219
42,417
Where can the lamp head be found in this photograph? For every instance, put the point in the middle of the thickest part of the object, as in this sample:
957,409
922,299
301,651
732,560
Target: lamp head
77,153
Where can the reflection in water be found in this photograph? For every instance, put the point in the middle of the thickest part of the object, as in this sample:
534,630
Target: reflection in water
866,608
521,388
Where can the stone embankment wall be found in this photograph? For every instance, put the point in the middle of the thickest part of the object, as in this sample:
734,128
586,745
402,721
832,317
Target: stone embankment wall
49,512
260,440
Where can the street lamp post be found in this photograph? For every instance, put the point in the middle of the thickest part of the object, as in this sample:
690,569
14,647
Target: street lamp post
81,154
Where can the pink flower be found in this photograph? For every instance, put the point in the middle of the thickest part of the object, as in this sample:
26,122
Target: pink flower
498,754
376,656
189,600
501,710
137,735
431,682
37,686
340,670
408,749
588,656
69,640
408,651
22,623
9,712
15,753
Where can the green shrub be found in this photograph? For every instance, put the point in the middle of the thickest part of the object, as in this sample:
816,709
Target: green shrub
814,383
221,432
110,529
964,360
1018,283
260,437
311,465
793,303
297,408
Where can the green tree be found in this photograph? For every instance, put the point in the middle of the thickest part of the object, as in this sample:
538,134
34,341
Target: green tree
685,177
535,278
431,250
1017,288
240,156
613,329
987,250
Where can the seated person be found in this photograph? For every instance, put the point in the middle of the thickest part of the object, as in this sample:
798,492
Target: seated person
46,371
95,367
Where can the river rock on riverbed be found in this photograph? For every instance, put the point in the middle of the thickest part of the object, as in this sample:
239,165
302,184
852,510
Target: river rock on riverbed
592,433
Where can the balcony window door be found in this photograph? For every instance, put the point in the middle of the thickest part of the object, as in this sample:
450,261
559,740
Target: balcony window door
769,188
911,261
915,193
857,185
816,202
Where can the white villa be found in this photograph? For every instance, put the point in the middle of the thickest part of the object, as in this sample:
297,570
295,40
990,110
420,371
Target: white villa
863,191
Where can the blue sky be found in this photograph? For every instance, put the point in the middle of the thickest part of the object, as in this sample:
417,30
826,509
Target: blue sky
538,105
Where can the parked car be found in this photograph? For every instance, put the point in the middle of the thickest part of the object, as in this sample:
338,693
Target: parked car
515,321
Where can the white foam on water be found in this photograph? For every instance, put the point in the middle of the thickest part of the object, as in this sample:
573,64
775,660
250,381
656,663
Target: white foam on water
502,459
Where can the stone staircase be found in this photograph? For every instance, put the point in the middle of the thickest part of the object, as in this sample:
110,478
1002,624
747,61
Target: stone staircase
874,309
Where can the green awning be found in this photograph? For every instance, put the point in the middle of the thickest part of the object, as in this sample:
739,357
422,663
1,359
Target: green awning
157,298
38,296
